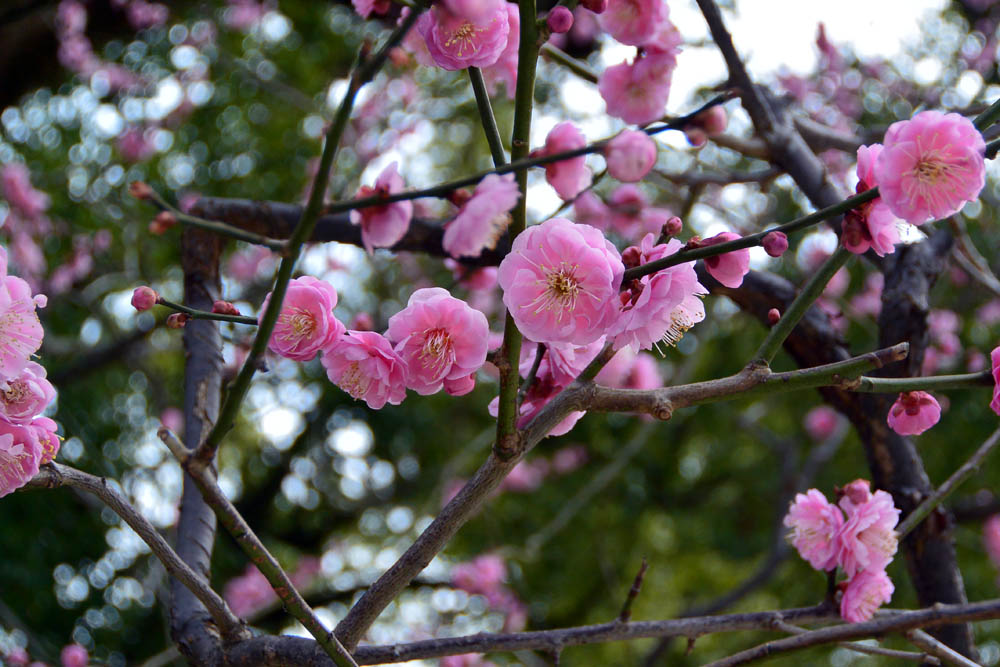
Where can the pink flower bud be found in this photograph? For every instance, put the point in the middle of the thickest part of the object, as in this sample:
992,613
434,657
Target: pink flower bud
696,136
144,298
672,227
596,6
773,316
163,221
224,308
775,244
713,120
74,655
560,19
177,321
630,155
913,413
140,190
361,322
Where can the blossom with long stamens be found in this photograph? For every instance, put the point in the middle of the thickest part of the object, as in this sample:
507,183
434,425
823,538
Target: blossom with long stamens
456,42
306,324
930,166
442,341
560,282
363,364
20,330
20,454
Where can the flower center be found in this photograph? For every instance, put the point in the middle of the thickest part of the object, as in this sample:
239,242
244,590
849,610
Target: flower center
298,323
436,351
354,381
15,391
463,38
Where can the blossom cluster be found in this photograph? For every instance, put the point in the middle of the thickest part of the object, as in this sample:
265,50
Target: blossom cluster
857,535
485,575
27,439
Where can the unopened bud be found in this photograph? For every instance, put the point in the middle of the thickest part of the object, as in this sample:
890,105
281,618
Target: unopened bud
224,308
773,316
459,197
696,136
632,257
560,19
361,322
672,227
596,6
775,244
144,298
140,190
693,242
177,320
163,221
713,120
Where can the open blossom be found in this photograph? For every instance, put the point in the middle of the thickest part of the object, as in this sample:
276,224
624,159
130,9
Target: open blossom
543,390
631,215
505,68
442,341
44,430
867,540
560,282
363,364
456,42
637,92
633,22
995,364
871,225
483,574
18,191
306,324
864,594
913,413
382,226
483,218
20,455
25,396
568,177
630,155
728,268
815,523
659,307
20,330
930,166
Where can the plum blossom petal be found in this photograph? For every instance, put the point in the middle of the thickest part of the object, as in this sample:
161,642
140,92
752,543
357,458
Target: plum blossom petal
363,364
483,218
867,540
382,226
20,455
864,594
728,268
571,176
306,323
815,523
995,364
913,413
456,42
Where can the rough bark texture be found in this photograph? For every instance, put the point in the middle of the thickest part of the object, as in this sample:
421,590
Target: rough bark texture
190,625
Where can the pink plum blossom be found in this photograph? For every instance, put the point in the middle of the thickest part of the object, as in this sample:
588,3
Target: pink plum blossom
564,361
864,594
991,539
483,218
867,540
567,459
820,422
633,22
559,19
441,340
74,655
871,225
505,68
306,324
775,244
730,267
473,10
589,209
248,592
363,364
526,476
483,574
659,307
631,214
382,226
24,396
630,155
913,413
456,42
44,430
930,166
368,7
144,298
815,523
560,282
637,92
18,191
20,455
995,368
571,176
466,660
20,330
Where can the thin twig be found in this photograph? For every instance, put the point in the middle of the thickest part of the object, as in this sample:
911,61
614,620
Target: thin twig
54,475
633,593
486,116
865,648
220,228
196,314
922,640
964,472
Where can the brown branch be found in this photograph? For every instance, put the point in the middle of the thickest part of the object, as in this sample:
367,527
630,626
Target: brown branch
54,475
921,639
633,593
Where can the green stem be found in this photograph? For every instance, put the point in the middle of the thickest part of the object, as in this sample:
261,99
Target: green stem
750,240
204,314
987,117
877,385
238,389
220,228
810,292
506,445
486,116
578,67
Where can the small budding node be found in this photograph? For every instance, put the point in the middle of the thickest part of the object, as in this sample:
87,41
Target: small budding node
672,227
775,244
596,6
140,190
773,316
362,322
560,19
144,298
459,197
632,257
163,221
693,242
177,320
224,308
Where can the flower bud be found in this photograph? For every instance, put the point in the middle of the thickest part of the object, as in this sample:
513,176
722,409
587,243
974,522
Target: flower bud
672,227
361,322
560,19
144,298
224,308
163,221
140,190
775,244
630,155
631,257
177,320
773,316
